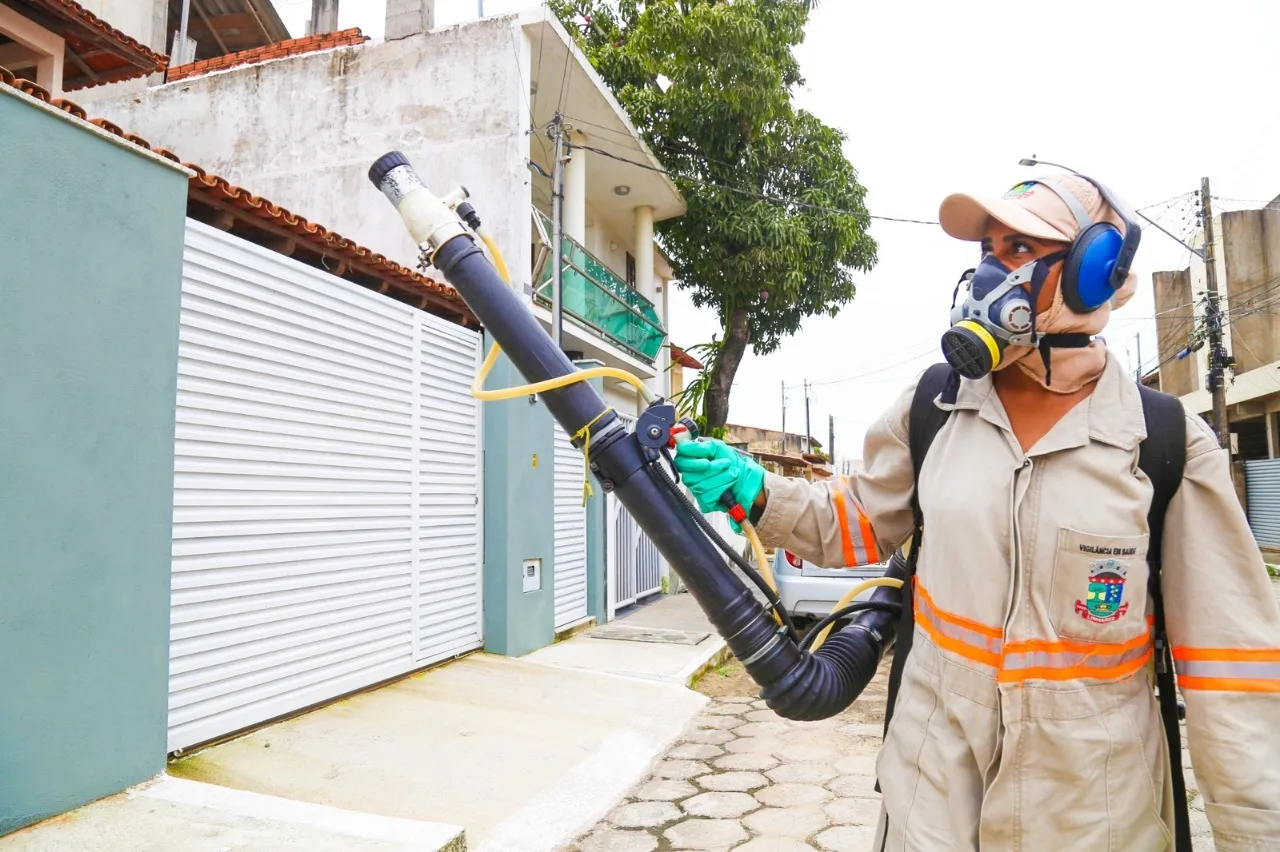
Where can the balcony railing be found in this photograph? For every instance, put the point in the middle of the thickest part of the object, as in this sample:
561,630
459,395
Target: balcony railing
596,297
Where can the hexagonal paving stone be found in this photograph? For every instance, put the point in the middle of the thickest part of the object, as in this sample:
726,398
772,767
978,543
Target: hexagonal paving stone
721,722
760,704
719,805
708,736
754,745
762,729
725,709
665,790
644,814
734,699
695,751
612,840
773,844
746,762
846,837
699,833
801,751
679,769
856,764
860,729
727,782
853,811
787,822
764,716
793,795
852,785
804,772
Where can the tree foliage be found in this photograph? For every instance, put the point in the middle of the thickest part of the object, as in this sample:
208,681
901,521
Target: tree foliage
776,223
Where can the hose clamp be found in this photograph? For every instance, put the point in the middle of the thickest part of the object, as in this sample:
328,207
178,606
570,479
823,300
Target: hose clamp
773,640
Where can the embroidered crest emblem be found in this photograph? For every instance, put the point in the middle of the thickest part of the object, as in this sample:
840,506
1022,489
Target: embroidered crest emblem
1021,190
1102,602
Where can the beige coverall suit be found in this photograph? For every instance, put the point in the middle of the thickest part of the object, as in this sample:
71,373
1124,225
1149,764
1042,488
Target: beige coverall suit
1026,718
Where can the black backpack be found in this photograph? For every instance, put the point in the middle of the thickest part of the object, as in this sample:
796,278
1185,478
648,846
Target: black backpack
1161,457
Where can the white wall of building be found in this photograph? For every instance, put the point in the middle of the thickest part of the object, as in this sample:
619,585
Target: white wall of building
303,131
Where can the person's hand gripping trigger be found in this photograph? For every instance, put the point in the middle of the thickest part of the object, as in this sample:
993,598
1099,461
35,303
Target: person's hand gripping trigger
719,477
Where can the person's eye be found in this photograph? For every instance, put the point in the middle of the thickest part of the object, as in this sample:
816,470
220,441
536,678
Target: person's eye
1021,248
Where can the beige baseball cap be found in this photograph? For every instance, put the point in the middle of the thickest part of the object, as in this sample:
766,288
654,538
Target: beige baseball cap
1030,208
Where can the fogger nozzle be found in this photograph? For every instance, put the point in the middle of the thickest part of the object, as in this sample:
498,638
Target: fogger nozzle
797,684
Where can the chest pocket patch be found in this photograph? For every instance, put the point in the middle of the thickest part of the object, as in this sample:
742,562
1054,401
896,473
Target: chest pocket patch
1099,588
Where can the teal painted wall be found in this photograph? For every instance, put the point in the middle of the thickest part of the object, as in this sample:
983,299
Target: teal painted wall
518,518
596,531
91,239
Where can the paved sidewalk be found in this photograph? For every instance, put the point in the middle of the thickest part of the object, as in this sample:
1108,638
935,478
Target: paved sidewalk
672,642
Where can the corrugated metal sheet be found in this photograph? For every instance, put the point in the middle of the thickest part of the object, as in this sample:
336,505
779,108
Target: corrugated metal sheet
570,569
1262,490
449,611
298,571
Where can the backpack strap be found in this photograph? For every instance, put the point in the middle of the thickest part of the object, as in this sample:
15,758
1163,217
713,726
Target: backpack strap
1162,457
923,425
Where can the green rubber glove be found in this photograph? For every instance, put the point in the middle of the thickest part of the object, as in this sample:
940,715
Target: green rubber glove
711,467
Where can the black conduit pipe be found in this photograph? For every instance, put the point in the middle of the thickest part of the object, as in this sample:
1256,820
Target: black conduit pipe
796,684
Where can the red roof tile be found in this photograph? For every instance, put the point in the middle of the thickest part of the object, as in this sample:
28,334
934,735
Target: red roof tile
277,50
219,192
111,54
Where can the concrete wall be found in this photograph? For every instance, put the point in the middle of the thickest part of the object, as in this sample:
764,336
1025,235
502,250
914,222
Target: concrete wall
1251,255
303,131
144,20
1173,299
519,474
89,344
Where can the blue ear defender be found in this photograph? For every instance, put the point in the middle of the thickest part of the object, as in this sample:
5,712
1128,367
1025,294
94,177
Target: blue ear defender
1098,261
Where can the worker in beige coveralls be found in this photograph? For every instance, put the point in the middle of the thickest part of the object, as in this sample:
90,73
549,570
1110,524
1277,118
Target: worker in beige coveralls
1026,718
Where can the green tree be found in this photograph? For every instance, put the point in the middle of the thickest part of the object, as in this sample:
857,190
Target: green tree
776,222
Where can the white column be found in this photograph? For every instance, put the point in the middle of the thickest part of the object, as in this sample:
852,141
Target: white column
644,252
575,192
409,17
48,47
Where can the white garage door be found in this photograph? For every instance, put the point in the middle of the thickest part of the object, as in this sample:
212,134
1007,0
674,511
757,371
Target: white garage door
570,568
326,517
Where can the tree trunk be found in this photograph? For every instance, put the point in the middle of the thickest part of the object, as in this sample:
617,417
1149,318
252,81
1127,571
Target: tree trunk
737,336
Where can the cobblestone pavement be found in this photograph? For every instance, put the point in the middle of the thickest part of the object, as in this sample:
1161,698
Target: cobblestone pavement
746,780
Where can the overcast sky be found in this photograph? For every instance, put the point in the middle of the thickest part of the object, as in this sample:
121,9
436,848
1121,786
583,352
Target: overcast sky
1147,96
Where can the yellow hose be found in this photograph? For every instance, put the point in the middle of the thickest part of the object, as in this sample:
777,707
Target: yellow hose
478,391
891,582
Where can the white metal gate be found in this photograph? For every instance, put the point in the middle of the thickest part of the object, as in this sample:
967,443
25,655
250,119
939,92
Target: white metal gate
1262,491
326,489
633,564
570,567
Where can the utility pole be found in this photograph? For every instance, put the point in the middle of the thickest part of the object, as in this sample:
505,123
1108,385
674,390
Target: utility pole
784,417
556,132
1213,322
808,432
831,438
1139,371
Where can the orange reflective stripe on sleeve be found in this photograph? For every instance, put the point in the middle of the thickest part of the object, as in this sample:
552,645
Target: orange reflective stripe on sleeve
1228,669
846,539
859,547
868,538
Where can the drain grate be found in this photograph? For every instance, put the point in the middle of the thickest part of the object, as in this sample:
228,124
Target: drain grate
661,635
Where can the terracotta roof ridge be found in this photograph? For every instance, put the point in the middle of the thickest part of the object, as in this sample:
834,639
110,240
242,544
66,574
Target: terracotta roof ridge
275,50
159,60
221,190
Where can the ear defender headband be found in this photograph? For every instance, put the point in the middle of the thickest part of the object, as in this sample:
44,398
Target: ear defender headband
1098,261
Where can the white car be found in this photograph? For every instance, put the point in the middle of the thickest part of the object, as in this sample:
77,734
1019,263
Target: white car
808,591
